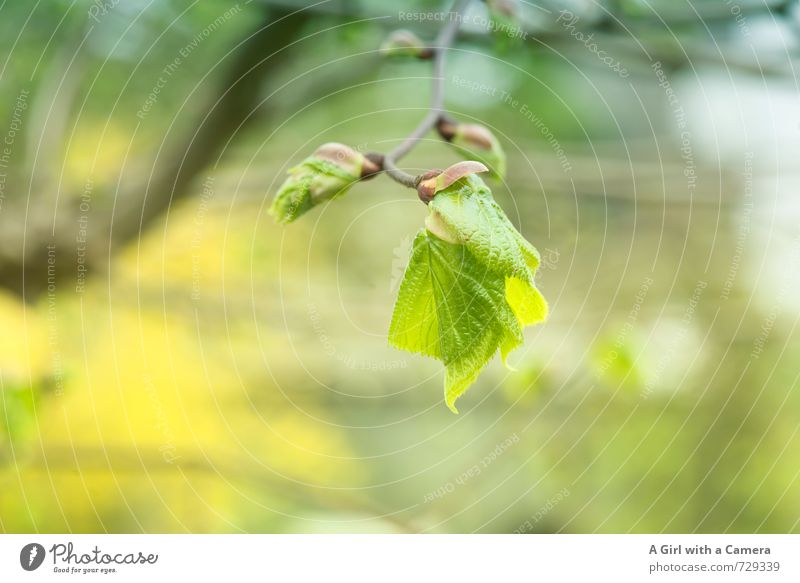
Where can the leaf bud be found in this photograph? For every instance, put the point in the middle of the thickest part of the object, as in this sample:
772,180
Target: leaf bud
474,141
327,173
404,43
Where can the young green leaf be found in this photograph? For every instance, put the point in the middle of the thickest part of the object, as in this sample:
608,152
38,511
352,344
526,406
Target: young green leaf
468,289
325,175
472,217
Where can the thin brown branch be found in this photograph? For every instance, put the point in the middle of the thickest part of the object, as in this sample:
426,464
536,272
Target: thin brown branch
441,45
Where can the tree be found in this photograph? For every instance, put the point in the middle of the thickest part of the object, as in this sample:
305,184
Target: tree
469,286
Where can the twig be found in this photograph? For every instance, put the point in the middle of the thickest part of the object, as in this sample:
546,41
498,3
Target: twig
442,43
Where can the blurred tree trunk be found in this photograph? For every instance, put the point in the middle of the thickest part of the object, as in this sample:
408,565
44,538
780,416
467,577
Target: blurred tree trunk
35,239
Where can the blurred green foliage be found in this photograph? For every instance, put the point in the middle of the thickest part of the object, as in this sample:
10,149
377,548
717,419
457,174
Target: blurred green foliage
230,375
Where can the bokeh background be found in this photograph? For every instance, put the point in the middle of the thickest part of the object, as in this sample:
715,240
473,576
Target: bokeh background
172,361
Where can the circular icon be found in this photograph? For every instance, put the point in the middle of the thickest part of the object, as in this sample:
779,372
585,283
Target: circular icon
31,556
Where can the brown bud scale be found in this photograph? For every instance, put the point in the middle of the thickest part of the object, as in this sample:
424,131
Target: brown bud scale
373,164
426,185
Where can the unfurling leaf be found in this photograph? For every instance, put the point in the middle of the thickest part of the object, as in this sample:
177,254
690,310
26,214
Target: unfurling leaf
326,174
474,141
469,286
